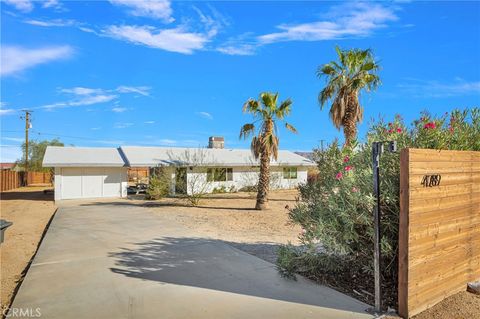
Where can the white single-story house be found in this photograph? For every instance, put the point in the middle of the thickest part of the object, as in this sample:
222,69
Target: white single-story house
82,172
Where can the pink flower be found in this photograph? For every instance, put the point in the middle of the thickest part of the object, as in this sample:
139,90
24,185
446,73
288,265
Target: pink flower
339,176
451,129
430,125
346,159
354,189
390,131
399,130
348,168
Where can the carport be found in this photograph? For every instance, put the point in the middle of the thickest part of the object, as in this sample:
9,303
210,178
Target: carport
83,172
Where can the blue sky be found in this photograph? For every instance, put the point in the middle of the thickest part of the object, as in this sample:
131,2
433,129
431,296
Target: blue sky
167,73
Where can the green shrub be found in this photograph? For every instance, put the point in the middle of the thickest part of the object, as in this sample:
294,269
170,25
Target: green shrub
159,186
335,210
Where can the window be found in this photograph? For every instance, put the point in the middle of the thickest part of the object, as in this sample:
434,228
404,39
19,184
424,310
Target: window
219,174
289,173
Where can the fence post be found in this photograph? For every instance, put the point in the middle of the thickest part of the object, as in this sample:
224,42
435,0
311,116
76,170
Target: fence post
403,233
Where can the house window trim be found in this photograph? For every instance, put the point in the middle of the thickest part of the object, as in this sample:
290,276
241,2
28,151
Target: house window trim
213,173
290,172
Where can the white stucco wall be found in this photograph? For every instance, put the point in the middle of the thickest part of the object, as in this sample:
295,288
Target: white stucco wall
242,177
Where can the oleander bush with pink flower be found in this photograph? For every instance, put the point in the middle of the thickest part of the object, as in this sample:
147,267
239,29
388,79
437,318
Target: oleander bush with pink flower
335,210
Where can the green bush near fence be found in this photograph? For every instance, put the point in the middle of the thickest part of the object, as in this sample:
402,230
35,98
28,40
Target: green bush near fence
335,210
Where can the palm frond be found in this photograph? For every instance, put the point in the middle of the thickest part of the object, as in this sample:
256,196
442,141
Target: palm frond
256,147
291,128
251,106
247,130
284,109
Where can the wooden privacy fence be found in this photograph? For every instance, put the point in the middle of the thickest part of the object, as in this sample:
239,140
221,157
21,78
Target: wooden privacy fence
138,174
12,179
439,234
39,178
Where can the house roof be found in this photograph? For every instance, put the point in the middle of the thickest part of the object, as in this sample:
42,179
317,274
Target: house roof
83,157
7,165
137,156
154,156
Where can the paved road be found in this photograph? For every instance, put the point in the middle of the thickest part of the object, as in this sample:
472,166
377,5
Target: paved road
118,260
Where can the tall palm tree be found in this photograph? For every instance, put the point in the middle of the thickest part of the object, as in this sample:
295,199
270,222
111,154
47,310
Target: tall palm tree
265,141
355,71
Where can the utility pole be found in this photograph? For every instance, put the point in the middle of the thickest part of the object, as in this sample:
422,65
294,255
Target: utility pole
27,127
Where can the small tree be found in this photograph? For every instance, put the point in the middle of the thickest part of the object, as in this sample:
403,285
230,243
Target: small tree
159,184
36,152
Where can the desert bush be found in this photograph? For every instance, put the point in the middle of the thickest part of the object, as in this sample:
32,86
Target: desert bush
158,186
335,210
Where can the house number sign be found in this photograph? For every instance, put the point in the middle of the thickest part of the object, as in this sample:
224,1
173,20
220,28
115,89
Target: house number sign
431,180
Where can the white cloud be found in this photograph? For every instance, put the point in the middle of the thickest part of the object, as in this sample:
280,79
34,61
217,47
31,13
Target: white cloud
21,5
343,21
119,109
435,89
142,90
94,99
122,125
149,122
83,96
82,91
157,9
13,139
16,59
4,111
51,23
7,111
205,115
238,49
52,4
174,40
95,128
81,100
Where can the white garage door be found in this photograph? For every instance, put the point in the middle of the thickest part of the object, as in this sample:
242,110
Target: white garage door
92,182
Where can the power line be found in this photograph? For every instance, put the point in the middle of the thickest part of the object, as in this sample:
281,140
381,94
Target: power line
53,134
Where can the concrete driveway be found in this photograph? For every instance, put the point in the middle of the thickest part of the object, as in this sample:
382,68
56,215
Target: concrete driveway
118,260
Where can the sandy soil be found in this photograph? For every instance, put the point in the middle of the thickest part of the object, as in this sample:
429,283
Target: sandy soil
463,305
30,211
231,217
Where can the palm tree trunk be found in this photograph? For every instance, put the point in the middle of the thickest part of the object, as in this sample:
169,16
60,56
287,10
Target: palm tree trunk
349,123
264,178
263,182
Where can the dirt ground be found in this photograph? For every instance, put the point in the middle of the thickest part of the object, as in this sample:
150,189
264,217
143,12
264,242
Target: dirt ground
231,217
30,211
463,305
